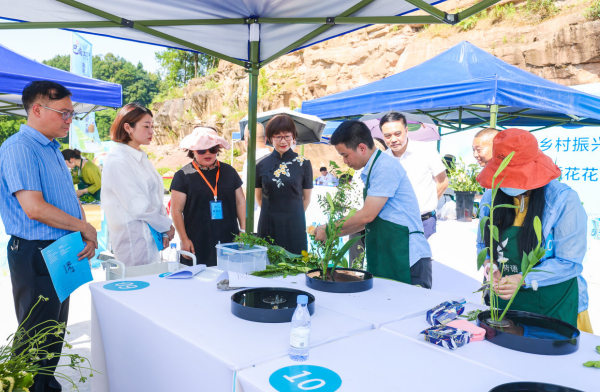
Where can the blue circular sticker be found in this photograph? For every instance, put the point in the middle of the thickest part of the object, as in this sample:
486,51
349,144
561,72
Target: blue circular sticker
127,285
164,274
300,378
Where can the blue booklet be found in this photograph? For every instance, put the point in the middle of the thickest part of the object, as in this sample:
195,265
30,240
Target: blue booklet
66,271
158,238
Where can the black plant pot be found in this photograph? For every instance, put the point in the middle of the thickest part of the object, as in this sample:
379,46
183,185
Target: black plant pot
552,336
464,206
268,304
532,387
346,280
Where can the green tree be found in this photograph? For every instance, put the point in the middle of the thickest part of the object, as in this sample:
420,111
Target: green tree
179,66
9,125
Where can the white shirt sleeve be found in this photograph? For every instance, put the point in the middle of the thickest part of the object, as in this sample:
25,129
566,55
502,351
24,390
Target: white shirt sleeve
436,166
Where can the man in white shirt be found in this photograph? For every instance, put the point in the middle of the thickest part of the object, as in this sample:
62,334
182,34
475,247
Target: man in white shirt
423,165
326,178
261,152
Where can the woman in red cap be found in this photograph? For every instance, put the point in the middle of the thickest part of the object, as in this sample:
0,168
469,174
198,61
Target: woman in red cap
207,200
529,182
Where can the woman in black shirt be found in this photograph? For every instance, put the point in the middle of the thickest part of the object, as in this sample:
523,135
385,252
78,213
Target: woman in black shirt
283,188
207,200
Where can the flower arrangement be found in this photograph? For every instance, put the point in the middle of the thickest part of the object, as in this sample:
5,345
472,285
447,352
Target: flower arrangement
19,359
528,262
463,178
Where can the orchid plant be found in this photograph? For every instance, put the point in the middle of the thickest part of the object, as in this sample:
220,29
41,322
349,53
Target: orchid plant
528,261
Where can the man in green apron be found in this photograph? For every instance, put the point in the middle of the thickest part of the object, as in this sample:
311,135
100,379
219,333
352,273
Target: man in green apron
395,244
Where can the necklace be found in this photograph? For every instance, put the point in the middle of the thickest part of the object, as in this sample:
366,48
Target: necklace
206,167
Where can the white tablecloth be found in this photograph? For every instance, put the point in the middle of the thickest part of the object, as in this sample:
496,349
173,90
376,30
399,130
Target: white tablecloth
386,302
180,335
565,370
379,361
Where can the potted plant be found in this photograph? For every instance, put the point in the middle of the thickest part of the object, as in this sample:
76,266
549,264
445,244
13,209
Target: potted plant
19,359
463,180
333,274
503,326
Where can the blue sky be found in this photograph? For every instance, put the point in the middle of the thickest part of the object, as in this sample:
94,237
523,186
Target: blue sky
45,44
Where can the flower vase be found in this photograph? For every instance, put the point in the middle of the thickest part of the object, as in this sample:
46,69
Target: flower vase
464,206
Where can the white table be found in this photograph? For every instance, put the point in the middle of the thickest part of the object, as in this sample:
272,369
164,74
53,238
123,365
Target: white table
180,335
379,361
386,302
565,370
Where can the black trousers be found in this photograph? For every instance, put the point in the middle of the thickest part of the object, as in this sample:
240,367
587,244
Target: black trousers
30,279
421,273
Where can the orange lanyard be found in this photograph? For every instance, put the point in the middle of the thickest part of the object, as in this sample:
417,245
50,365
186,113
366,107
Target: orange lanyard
214,190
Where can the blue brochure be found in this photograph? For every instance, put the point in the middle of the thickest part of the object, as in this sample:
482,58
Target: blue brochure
158,238
66,271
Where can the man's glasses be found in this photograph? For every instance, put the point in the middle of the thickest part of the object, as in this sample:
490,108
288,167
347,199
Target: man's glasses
212,150
65,115
280,138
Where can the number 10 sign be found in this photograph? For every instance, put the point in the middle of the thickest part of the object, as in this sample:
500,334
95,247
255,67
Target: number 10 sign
300,378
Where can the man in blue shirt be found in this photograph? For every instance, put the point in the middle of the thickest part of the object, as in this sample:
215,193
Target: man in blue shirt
38,205
395,244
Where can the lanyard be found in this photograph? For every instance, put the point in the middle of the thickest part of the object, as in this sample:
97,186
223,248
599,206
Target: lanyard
214,190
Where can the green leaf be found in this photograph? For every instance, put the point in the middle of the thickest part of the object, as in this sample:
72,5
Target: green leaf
539,270
344,249
589,364
506,206
482,223
481,258
597,365
504,163
495,233
330,201
598,349
524,263
537,226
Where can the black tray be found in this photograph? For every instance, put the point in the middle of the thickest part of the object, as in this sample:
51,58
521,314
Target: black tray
565,340
341,285
532,387
268,304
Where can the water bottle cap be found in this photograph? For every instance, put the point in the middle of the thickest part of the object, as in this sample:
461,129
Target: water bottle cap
173,245
302,299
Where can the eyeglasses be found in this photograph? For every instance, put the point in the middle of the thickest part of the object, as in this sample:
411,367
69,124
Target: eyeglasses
65,115
280,138
212,150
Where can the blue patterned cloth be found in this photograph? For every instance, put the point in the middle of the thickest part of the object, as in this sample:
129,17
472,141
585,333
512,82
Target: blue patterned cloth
448,337
30,161
445,312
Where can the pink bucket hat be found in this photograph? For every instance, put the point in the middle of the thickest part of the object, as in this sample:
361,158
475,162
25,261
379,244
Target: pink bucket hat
203,138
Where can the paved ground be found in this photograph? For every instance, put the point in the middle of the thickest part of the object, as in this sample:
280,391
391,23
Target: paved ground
453,245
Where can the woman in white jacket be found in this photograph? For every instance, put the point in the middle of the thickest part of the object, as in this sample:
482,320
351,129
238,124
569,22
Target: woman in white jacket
132,191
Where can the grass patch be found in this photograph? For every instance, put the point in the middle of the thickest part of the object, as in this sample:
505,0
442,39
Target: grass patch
172,93
162,170
592,12
540,10
212,85
167,183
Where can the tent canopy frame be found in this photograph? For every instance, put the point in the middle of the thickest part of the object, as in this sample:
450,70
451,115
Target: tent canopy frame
434,16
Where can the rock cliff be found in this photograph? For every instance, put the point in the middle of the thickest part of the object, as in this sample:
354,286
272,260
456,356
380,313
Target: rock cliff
549,38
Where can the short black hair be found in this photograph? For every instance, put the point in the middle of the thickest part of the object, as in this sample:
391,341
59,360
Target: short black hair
43,89
323,168
351,133
392,117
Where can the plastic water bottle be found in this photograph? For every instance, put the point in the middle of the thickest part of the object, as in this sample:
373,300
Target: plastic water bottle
173,263
300,335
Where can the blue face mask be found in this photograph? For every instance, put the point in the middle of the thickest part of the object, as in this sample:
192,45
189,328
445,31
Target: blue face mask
513,191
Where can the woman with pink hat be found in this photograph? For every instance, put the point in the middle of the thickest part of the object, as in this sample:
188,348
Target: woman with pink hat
530,183
207,200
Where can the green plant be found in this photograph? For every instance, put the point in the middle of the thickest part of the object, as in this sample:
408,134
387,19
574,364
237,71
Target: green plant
595,364
212,85
472,315
592,12
540,10
162,170
471,22
463,178
19,359
358,262
528,261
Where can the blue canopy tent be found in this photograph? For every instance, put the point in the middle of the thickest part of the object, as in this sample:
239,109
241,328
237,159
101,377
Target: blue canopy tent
17,71
464,88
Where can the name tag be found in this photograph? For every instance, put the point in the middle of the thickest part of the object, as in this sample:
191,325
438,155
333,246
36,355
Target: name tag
216,210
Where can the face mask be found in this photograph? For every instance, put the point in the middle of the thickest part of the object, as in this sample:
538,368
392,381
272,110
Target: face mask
513,191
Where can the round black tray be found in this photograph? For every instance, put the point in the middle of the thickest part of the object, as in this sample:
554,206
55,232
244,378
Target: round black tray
340,286
564,341
268,304
532,387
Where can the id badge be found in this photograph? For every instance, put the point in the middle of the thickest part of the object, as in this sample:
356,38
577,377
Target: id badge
216,210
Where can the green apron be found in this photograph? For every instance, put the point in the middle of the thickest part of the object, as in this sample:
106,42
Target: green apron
386,245
559,300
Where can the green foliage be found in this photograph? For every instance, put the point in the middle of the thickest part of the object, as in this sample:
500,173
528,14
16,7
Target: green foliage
463,178
162,170
594,364
472,315
167,183
592,12
471,22
212,85
179,66
540,10
20,357
263,84
9,125
104,120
